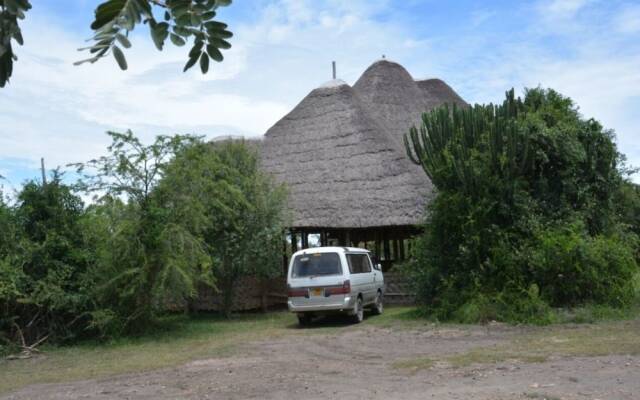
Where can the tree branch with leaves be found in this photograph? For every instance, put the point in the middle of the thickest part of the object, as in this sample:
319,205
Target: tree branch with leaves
182,22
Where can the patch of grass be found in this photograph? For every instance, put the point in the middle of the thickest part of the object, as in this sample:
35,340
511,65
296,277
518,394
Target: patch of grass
399,317
540,396
415,364
605,338
492,356
594,313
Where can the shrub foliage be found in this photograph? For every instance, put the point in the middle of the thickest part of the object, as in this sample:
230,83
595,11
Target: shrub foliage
525,214
166,218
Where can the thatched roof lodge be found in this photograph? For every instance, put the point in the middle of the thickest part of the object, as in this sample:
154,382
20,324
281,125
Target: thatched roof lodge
340,153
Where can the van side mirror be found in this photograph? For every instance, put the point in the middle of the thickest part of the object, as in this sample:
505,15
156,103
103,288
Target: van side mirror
378,267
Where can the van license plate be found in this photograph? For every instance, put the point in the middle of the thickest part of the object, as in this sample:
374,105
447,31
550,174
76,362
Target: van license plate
316,292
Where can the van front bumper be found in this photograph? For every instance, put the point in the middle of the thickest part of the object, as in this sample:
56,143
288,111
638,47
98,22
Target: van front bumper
345,304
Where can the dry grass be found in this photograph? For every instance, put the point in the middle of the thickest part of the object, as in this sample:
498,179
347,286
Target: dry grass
605,338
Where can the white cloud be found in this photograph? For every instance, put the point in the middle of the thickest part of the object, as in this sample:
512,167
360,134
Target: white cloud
628,19
478,17
562,8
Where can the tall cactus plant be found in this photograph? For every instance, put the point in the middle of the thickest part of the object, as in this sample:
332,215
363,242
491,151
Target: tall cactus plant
450,143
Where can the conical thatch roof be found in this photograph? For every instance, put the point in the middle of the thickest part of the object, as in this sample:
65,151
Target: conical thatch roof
397,100
339,152
440,92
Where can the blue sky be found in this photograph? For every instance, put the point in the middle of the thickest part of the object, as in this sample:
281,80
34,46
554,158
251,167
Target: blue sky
587,49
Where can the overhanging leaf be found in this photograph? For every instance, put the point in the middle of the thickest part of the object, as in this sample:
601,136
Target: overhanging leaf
214,53
204,63
191,62
177,40
123,40
119,56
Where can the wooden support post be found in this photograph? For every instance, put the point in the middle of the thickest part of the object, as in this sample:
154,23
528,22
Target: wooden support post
347,239
402,255
396,250
377,247
305,240
294,242
387,250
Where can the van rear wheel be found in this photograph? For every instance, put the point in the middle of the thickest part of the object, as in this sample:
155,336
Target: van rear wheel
378,307
304,319
358,311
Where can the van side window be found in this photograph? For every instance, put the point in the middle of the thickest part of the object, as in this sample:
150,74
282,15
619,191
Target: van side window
358,263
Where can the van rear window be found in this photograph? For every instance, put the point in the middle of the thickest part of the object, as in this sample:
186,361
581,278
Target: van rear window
305,265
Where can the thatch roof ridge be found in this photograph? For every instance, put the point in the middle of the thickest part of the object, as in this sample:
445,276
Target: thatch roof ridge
393,96
440,92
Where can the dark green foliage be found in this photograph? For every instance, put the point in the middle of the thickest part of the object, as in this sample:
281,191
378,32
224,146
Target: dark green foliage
525,216
627,205
43,264
10,12
574,268
167,218
218,190
146,258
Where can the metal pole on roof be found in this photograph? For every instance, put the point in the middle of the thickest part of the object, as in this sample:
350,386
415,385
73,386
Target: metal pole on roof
333,64
42,170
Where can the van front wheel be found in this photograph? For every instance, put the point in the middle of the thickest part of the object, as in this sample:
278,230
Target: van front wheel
358,311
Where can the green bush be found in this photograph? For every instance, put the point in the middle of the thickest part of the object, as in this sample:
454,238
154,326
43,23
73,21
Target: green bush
518,306
573,268
531,212
43,264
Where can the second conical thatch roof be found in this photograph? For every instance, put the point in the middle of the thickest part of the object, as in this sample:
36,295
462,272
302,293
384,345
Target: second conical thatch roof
339,151
397,100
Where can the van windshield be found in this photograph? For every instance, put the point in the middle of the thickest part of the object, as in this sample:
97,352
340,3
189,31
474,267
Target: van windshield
305,265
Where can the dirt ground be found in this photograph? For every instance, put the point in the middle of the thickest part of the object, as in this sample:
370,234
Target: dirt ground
357,363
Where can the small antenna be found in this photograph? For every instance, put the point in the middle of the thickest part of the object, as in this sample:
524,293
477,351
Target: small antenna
333,64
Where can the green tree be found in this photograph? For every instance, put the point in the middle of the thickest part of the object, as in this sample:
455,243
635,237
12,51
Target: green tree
525,209
146,259
217,191
627,203
180,21
43,264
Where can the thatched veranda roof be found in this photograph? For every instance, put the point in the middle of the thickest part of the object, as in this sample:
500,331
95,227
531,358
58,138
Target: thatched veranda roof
340,150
